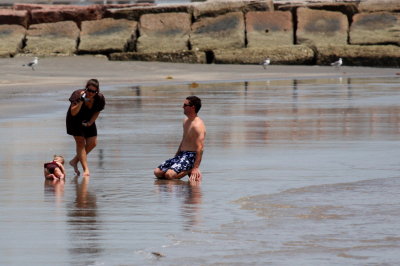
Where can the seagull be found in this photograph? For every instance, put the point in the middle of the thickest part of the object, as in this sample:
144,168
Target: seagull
266,62
337,63
33,63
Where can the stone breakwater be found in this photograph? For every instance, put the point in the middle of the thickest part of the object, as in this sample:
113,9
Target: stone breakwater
363,33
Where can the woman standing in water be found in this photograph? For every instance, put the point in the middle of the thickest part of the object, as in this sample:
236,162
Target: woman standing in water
86,105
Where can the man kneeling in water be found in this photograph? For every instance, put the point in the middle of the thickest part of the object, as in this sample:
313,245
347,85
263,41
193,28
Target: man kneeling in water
188,157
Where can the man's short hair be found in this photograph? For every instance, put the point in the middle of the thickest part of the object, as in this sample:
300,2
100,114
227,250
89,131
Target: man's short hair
195,101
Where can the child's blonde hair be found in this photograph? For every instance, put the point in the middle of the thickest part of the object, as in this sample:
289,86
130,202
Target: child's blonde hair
59,156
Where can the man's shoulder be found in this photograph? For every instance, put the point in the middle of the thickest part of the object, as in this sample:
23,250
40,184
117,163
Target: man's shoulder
196,122
199,124
200,121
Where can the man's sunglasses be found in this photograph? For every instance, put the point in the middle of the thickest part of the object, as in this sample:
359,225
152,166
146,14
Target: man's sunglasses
90,90
185,105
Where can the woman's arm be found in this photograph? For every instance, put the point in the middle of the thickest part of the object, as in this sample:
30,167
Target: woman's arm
93,119
76,107
77,104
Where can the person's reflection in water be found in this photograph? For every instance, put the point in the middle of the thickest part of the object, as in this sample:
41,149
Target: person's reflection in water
101,159
137,90
83,225
295,95
190,194
54,188
349,90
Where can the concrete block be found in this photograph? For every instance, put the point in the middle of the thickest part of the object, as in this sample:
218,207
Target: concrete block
379,5
375,28
318,27
52,38
134,13
269,29
107,35
164,32
172,57
289,54
215,8
11,37
18,17
360,55
56,13
224,31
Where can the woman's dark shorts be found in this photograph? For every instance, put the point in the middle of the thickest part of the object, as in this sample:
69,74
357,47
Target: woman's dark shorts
81,131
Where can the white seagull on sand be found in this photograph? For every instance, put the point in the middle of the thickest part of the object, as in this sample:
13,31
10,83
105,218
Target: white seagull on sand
33,63
337,63
266,62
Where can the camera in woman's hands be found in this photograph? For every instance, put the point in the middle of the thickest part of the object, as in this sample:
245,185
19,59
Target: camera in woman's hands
83,97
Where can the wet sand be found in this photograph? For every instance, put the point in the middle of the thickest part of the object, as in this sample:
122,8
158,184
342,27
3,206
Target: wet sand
292,156
63,73
67,71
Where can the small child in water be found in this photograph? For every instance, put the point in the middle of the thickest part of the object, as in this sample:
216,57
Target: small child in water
55,169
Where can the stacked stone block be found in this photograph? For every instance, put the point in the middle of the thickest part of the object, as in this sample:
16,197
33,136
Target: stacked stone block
321,28
107,35
52,38
268,28
375,28
168,32
237,32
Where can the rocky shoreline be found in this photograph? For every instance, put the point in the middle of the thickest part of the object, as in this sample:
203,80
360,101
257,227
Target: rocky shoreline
363,33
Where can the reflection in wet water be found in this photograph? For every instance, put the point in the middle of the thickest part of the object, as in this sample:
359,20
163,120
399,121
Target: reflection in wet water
84,225
189,193
310,162
54,190
101,158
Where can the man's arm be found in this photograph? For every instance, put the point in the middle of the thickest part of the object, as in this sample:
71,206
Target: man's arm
199,155
196,174
183,137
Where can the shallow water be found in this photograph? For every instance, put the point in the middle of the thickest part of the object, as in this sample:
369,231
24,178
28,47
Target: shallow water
296,172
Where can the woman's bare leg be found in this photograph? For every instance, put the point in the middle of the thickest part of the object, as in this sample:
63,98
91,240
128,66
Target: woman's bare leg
83,147
74,164
81,155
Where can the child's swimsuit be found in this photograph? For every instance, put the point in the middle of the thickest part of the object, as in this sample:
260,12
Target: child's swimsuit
51,166
183,161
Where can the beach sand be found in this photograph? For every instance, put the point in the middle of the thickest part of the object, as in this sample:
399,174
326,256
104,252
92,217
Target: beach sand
300,166
75,70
